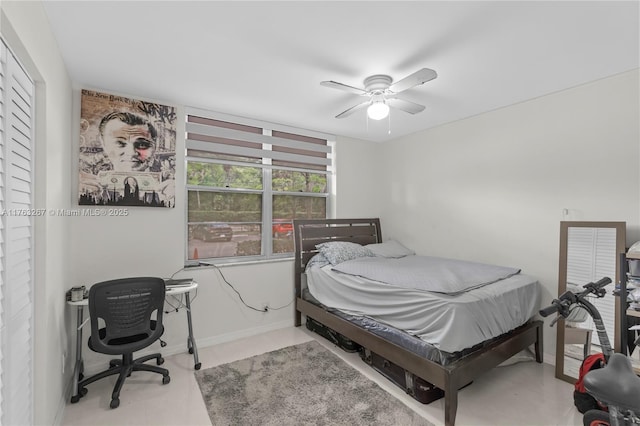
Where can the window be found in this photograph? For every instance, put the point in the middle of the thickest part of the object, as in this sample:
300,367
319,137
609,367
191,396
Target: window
247,181
16,242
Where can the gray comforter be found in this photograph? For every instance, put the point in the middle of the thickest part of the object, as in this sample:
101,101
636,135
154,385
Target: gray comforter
426,273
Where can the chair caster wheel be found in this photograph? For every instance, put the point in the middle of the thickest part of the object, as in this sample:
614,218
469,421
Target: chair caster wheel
160,361
197,366
165,380
75,398
115,403
83,391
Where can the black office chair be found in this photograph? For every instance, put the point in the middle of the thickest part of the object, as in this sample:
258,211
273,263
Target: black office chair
126,307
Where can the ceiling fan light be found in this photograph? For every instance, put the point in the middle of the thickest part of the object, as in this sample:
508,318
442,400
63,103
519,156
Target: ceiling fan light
378,110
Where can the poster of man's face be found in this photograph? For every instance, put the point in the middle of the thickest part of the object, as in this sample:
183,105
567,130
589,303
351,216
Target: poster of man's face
127,152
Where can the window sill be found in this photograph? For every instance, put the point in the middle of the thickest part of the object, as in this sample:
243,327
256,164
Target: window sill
224,264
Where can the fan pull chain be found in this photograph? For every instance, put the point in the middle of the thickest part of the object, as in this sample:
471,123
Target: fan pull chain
389,123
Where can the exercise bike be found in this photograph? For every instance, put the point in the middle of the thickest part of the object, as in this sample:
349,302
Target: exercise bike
615,385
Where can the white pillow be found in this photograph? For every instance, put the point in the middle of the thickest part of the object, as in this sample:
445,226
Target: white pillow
340,251
391,249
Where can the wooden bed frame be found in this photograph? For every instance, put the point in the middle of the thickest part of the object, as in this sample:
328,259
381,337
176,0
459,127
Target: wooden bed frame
450,378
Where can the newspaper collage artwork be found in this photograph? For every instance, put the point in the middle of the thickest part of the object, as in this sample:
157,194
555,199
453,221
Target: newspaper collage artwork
127,152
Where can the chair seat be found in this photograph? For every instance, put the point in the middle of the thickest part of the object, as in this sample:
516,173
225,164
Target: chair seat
124,340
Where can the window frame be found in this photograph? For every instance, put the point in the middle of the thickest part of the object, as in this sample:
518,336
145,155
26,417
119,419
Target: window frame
267,190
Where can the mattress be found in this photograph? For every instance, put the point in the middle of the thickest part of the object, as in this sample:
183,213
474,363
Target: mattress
399,337
448,323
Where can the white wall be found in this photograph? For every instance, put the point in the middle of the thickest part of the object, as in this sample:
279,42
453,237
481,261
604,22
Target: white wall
25,27
493,187
359,175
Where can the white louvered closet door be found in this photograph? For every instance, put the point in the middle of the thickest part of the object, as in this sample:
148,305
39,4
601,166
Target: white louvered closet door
591,255
16,242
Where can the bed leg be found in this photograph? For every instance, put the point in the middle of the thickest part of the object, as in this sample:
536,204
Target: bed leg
539,342
450,404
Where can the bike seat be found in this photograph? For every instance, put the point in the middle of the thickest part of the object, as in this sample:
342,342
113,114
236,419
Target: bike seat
615,384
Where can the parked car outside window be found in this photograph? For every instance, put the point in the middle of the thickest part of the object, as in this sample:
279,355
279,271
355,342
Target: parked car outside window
282,229
216,231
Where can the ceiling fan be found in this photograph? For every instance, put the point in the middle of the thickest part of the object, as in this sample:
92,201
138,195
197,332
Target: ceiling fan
382,93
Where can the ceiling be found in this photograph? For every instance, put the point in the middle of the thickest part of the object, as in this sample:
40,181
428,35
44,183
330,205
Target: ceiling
265,60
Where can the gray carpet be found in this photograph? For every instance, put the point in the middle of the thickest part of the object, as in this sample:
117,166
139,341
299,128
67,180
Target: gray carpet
304,384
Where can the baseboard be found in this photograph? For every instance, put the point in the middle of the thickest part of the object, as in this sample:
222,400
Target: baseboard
236,335
549,359
62,404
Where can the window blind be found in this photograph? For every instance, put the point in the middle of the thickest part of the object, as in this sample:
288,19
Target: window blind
244,143
16,259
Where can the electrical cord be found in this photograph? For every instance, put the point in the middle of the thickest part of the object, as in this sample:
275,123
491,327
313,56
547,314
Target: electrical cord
181,303
236,291
175,308
282,307
266,308
179,270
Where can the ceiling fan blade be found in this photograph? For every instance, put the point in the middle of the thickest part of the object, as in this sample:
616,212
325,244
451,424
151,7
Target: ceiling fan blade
353,109
415,79
406,106
340,86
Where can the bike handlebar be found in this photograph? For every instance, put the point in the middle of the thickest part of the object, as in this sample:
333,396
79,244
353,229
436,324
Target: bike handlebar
568,301
565,300
600,283
549,309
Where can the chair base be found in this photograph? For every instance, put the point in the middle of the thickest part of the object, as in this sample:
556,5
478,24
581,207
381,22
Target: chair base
123,368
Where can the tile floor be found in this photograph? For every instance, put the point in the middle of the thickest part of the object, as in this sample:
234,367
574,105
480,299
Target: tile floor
524,394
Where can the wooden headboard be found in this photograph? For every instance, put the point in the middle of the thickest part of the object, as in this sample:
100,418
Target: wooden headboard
308,233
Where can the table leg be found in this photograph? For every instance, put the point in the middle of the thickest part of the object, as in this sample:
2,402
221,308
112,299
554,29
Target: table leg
79,365
191,342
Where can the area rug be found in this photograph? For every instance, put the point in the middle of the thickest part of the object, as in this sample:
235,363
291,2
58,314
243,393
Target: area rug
304,384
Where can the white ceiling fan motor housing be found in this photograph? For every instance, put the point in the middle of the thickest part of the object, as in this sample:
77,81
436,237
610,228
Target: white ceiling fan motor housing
377,84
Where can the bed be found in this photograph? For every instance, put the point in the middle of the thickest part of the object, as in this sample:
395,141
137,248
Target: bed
447,370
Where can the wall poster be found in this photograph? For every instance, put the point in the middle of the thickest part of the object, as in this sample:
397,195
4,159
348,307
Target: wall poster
127,152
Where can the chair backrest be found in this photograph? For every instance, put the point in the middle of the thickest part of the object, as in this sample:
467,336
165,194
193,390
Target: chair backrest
126,306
